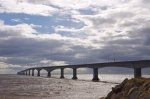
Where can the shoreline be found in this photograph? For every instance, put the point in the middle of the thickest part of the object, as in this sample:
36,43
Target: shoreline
135,88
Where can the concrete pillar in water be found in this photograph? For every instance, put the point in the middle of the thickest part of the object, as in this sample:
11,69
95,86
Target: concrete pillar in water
62,73
32,72
49,74
137,73
38,74
29,72
25,72
74,73
95,74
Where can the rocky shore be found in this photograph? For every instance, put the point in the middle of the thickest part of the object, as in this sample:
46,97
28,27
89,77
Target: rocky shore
135,88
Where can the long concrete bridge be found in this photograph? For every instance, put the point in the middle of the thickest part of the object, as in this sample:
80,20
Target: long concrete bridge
136,65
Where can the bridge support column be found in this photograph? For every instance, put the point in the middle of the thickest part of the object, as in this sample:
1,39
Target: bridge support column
137,73
49,74
29,72
95,74
62,73
32,72
74,73
25,72
38,74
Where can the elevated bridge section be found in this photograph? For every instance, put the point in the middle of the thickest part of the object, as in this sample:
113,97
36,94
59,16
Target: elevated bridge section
136,65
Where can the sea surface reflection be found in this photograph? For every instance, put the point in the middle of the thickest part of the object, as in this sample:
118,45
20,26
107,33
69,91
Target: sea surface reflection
27,87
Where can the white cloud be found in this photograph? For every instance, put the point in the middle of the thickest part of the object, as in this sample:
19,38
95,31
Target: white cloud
116,29
22,46
3,65
75,4
15,6
8,66
17,30
52,62
16,20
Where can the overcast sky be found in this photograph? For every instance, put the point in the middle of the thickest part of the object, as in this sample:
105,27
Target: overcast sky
58,32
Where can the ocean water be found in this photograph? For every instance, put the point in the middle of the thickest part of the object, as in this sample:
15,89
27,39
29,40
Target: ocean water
28,87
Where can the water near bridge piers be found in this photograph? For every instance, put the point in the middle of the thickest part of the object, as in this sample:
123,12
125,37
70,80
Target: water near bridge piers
28,87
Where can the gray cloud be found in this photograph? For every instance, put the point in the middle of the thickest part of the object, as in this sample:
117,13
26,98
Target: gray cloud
120,30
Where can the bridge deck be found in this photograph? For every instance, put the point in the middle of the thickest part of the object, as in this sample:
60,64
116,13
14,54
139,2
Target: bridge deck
136,65
126,64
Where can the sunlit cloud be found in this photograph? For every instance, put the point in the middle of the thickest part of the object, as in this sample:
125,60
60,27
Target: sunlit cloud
59,32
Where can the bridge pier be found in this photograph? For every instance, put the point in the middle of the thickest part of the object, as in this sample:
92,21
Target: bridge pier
38,74
62,73
29,72
137,73
49,74
74,73
25,72
95,74
32,72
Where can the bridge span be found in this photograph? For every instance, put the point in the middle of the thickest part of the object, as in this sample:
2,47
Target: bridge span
136,65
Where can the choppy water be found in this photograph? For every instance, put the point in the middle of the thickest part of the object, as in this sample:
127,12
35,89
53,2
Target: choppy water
27,87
